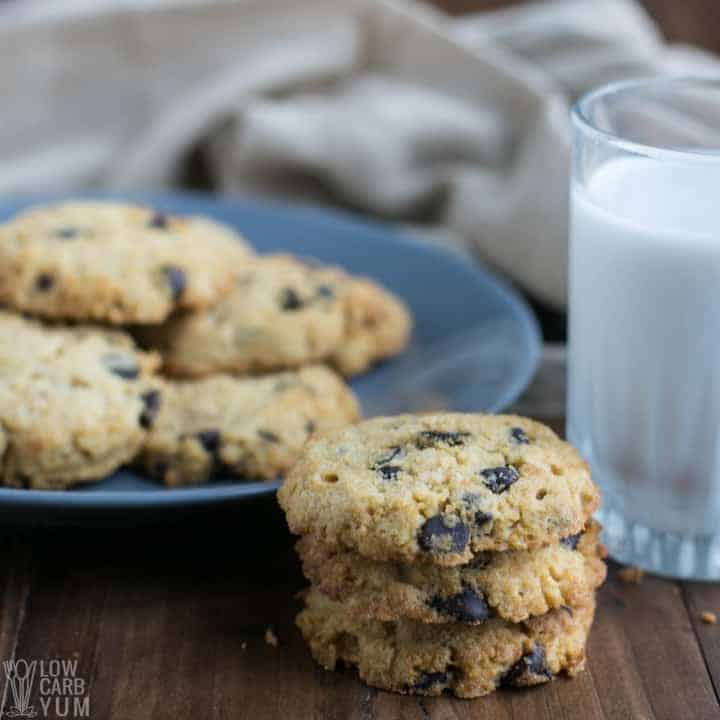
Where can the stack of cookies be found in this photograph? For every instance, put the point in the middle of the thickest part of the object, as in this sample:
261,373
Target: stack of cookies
446,552
83,283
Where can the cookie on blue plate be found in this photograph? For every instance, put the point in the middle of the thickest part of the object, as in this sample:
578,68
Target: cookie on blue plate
115,263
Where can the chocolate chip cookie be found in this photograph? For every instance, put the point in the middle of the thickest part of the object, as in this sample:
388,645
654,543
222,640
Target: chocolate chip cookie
439,488
284,313
73,403
115,263
465,660
246,428
513,585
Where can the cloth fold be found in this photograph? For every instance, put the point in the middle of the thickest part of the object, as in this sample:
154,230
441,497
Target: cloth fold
387,107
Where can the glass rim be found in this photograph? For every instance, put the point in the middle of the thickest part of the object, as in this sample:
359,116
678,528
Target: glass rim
580,117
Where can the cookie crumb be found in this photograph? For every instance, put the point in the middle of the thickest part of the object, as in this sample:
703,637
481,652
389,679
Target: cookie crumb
708,617
271,637
631,574
243,645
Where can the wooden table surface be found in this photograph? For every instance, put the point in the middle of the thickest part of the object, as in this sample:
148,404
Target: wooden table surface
169,621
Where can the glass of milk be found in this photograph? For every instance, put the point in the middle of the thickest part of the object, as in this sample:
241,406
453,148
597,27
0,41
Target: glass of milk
644,329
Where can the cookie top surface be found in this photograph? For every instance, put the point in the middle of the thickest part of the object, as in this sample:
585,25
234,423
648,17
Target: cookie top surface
114,262
440,487
242,427
513,585
72,402
283,313
466,660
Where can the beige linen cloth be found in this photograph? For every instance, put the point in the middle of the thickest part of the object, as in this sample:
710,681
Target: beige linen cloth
389,108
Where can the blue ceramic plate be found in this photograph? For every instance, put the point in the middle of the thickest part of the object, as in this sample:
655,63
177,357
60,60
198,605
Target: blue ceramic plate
475,342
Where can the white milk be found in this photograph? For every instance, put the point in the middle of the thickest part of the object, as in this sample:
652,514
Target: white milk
644,403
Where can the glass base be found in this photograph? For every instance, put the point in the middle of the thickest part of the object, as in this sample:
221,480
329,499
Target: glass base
685,557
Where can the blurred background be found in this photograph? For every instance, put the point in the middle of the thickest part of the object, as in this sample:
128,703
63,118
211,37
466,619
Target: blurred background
688,21
449,119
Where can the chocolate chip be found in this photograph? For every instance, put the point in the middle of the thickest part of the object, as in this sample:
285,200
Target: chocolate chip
210,440
499,479
430,438
389,472
44,282
123,366
428,680
176,280
310,427
66,233
151,401
383,466
530,669
481,518
518,435
325,291
571,541
221,469
159,221
441,535
268,436
290,300
467,606
392,454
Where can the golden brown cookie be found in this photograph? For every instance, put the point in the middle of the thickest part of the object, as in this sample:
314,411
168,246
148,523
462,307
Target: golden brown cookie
284,313
114,262
513,585
242,427
440,487
74,403
465,660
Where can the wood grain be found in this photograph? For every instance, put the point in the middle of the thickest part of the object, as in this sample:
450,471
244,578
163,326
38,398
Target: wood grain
647,630
169,622
700,598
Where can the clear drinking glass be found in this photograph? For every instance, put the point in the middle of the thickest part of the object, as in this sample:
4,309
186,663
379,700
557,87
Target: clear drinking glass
644,328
